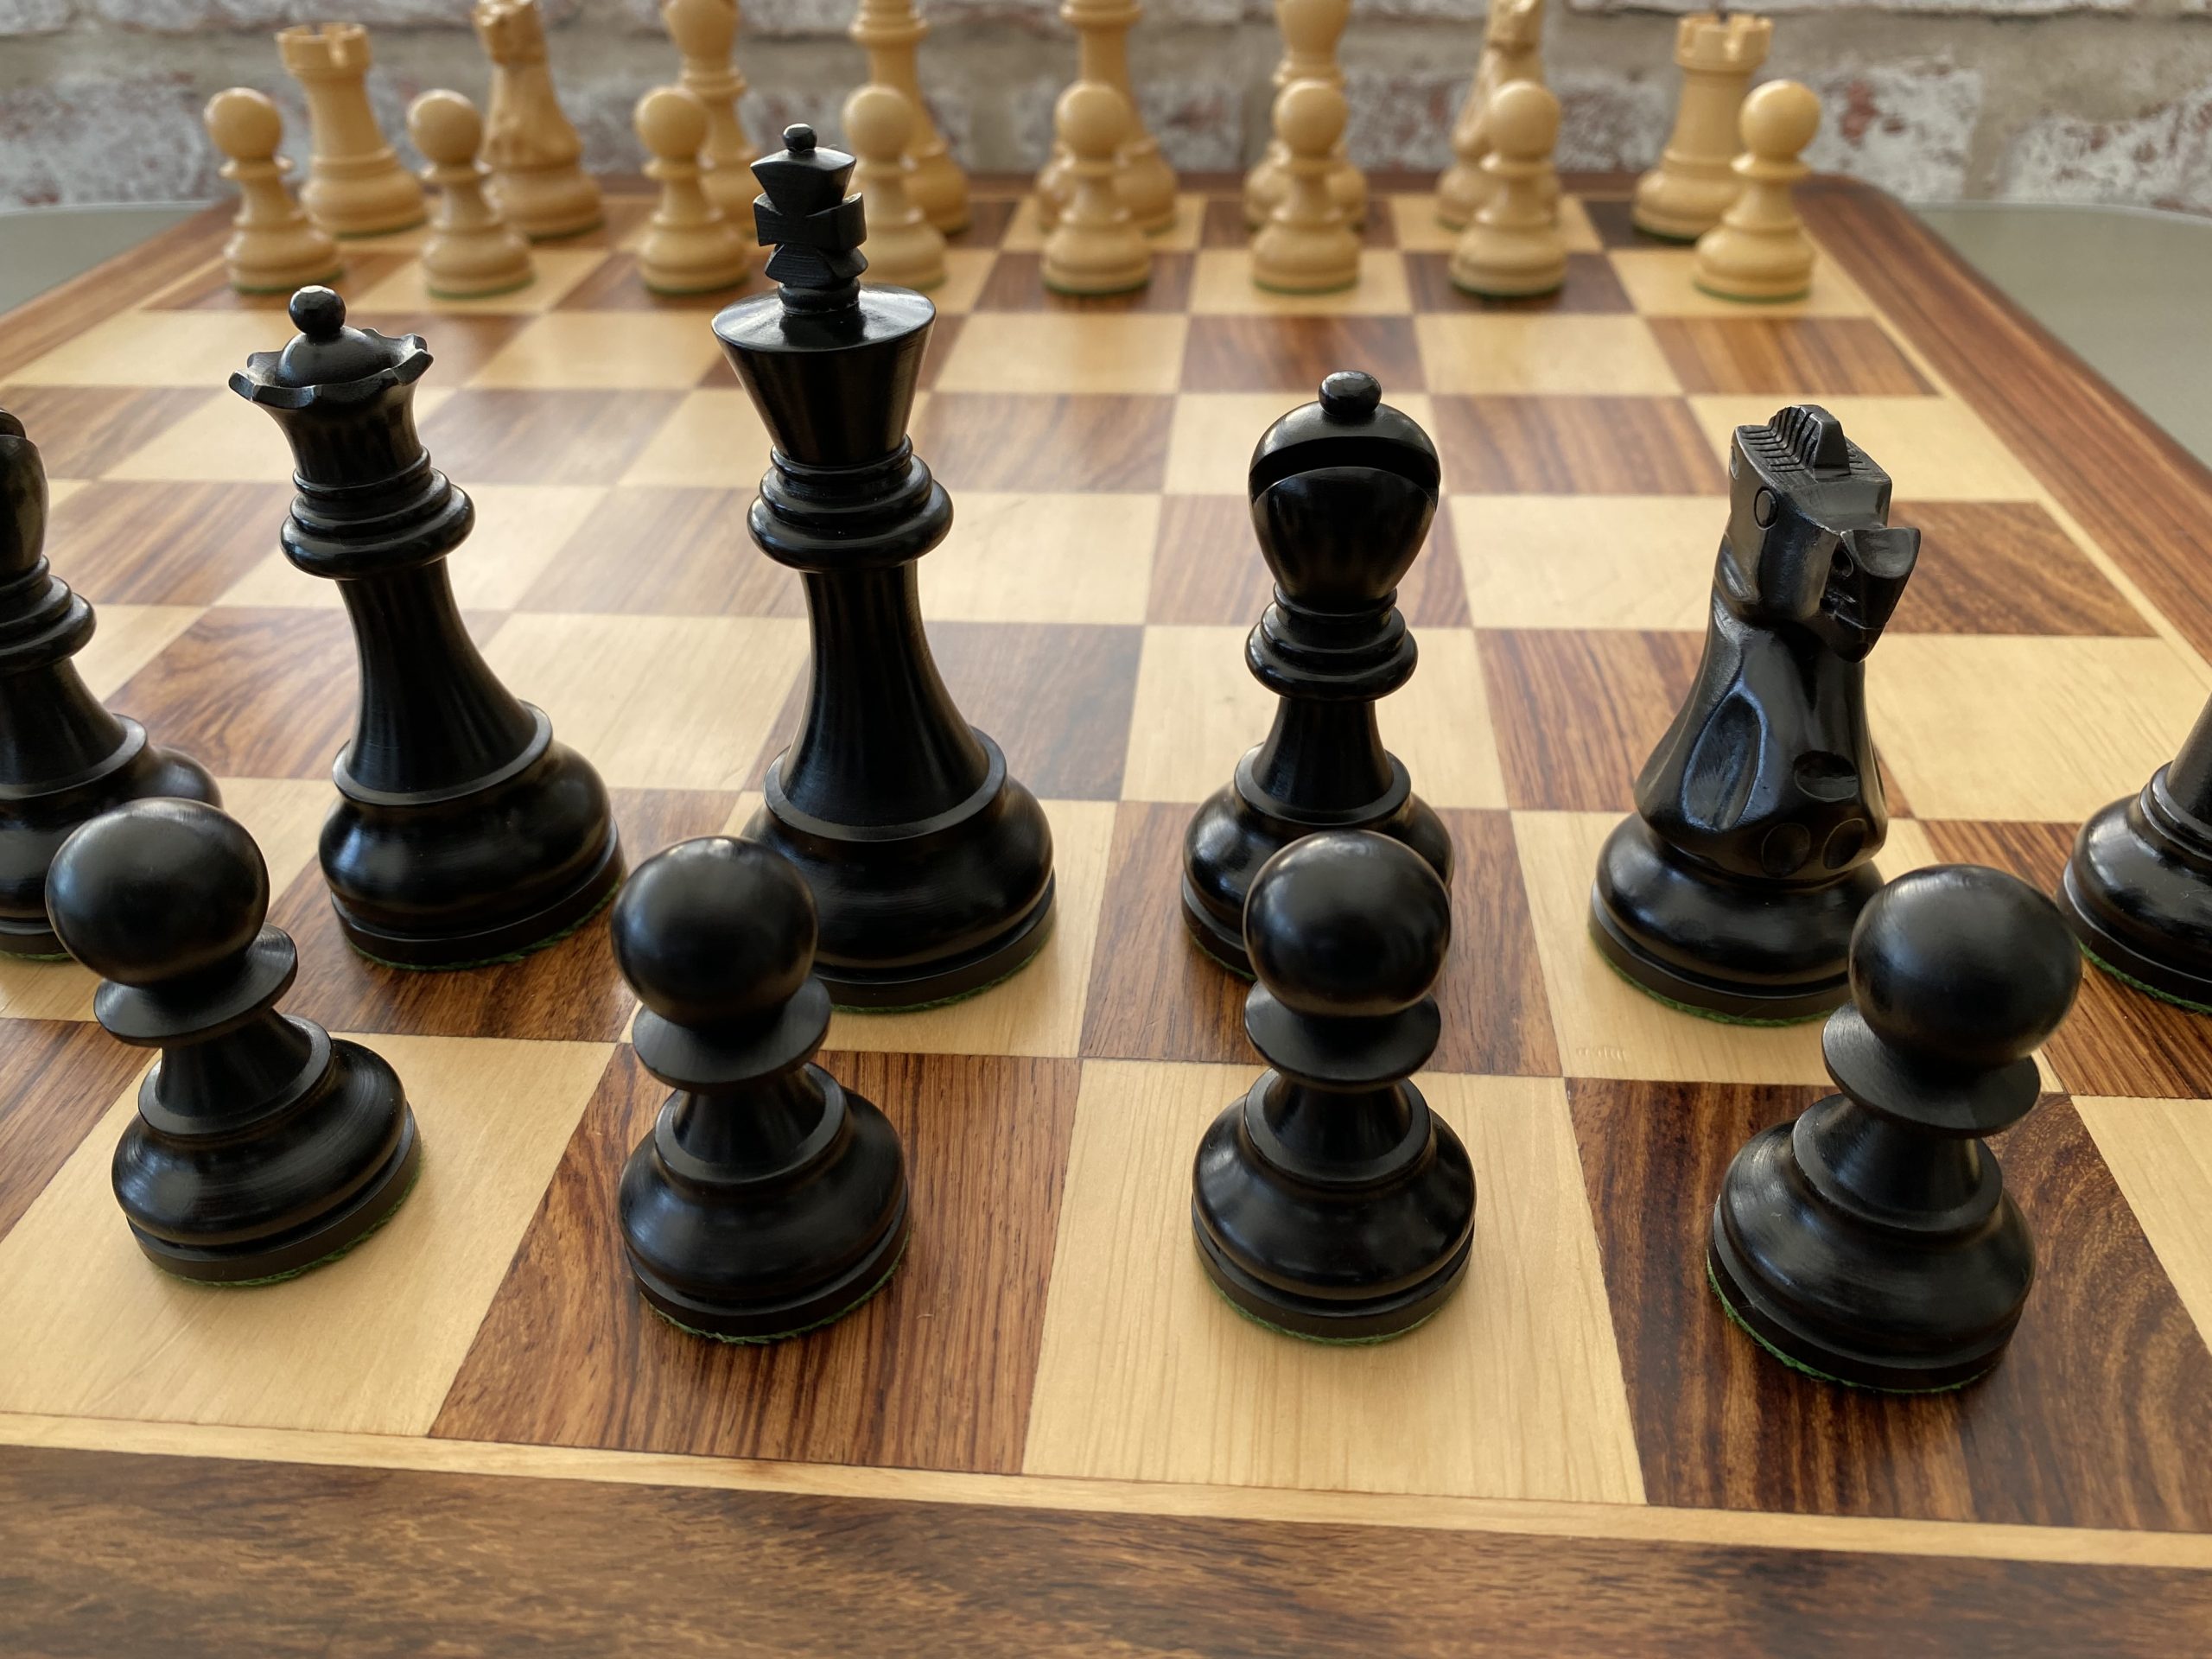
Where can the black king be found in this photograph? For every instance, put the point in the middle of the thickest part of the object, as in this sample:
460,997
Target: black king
931,867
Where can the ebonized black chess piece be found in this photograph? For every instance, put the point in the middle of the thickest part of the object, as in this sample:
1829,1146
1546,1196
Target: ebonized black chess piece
64,758
1733,889
1329,1201
1342,490
769,1200
463,833
1871,1240
2137,890
263,1146
930,865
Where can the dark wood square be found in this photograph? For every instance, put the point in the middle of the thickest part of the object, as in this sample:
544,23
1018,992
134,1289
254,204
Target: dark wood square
1576,713
1565,445
676,551
1293,354
460,342
1207,567
2003,567
1591,287
1611,217
988,218
1795,356
614,285
542,436
121,542
81,431
251,692
569,992
1011,440
934,1372
2092,1419
210,289
57,1079
1016,282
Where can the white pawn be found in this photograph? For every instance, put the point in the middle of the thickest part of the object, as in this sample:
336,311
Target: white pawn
1310,30
1513,248
1094,246
1759,250
274,246
902,246
1306,247
471,251
688,246
703,31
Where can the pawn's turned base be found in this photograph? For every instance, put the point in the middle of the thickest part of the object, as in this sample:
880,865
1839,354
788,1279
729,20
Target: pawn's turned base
2137,895
1691,936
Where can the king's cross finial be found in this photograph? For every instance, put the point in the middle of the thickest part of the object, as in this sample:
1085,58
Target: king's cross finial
815,227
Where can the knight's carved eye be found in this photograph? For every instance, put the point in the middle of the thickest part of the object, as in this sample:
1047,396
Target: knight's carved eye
1840,566
1762,508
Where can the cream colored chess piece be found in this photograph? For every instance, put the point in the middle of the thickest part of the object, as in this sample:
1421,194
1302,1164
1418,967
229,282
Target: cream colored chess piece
703,31
274,247
471,251
1513,43
1306,247
1142,174
356,186
1310,30
1514,247
902,246
890,32
1094,246
690,246
532,150
1759,250
1684,196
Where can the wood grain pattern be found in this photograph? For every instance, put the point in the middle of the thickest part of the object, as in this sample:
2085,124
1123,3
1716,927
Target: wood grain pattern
1575,446
1016,283
1591,287
83,430
2084,1422
1578,713
934,1372
1797,356
1293,354
1208,568
2004,567
542,435
251,693
57,1077
983,440
164,543
682,551
614,285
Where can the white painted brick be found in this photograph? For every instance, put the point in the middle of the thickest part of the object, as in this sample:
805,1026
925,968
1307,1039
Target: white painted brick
34,16
1905,127
2159,159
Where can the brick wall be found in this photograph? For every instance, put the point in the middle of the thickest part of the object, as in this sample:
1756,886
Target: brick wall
2084,100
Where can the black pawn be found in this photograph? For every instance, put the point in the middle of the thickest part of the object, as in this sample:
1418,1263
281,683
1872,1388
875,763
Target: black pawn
263,1147
1342,491
1871,1240
768,1198
463,833
2137,891
63,757
1329,1201
931,864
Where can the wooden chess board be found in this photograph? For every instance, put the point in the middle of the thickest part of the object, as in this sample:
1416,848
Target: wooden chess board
1048,1435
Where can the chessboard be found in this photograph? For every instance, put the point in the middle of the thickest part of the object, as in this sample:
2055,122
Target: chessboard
1048,1434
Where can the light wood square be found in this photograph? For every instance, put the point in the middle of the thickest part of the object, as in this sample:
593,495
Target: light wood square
1997,726
1608,1027
714,441
284,816
1043,558
519,527
655,701
368,1344
45,991
1509,353
228,440
1223,285
158,348
1055,353
555,271
614,350
966,270
128,637
1419,231
59,490
1038,1010
1659,285
1512,1389
1933,448
1198,710
1210,445
1588,561
1025,231
2160,1152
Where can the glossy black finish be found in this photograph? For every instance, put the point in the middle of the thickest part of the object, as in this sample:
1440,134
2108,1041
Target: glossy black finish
262,1146
1871,1241
1329,1201
1342,490
769,1200
2137,890
1734,888
463,833
932,867
63,757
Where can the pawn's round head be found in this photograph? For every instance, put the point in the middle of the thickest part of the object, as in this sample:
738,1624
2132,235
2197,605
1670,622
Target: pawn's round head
157,890
1961,967
671,123
714,932
1347,922
878,121
445,127
1779,119
1310,117
1092,118
245,123
1523,121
